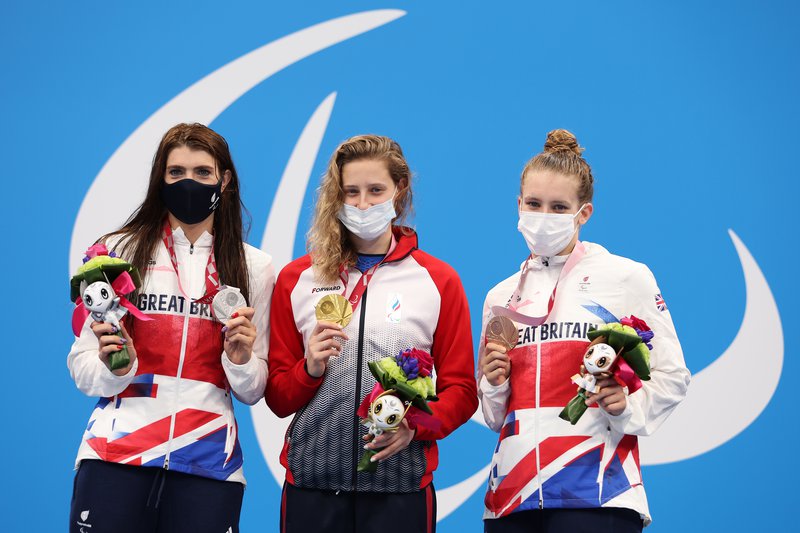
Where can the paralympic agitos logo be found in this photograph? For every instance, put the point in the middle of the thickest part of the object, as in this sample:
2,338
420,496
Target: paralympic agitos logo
122,177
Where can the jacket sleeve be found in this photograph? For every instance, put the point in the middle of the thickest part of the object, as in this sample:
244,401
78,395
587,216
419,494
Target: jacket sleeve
494,400
290,387
249,380
91,375
452,358
648,407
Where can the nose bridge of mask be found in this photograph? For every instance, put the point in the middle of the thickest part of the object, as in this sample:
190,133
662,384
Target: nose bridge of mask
364,213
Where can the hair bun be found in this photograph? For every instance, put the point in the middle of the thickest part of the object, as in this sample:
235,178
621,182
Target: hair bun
562,140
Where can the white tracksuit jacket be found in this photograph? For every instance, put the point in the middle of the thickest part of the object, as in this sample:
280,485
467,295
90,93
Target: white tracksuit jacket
173,409
540,460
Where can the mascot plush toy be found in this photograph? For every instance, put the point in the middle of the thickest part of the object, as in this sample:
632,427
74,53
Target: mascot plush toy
620,350
98,289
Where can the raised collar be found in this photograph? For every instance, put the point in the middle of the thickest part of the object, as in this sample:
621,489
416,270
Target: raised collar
206,240
406,243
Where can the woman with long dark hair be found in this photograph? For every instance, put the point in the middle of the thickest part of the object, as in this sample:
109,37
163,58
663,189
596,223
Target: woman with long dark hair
161,449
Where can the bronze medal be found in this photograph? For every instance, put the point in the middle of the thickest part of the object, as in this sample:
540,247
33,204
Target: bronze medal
501,330
334,308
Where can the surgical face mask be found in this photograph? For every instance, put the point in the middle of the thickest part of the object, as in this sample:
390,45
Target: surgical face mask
547,234
370,223
190,201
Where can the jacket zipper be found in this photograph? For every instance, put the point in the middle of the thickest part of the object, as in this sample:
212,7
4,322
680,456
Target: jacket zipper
294,421
536,424
181,358
359,364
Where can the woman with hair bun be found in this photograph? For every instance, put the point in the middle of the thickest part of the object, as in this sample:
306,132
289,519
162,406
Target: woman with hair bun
393,297
161,450
548,475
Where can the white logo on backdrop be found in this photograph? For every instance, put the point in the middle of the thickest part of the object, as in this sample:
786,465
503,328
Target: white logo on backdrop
124,178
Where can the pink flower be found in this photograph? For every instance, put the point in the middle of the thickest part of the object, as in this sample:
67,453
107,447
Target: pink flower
635,323
96,249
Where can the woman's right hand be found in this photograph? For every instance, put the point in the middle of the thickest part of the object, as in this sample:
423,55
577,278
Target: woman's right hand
496,364
325,342
112,341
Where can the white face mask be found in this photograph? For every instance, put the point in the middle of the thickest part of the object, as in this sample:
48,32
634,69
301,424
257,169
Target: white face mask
370,223
547,234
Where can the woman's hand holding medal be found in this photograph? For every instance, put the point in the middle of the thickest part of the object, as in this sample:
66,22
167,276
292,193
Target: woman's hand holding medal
501,337
230,308
240,334
333,313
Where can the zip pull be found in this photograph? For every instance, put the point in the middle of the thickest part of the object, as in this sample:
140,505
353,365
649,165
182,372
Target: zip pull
166,464
541,502
191,249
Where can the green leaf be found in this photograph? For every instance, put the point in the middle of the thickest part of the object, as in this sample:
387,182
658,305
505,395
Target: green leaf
623,340
119,359
364,464
574,409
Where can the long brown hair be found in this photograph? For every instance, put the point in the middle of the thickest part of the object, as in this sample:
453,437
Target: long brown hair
328,240
141,233
562,154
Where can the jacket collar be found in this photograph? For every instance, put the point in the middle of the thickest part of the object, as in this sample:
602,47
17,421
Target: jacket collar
406,239
206,240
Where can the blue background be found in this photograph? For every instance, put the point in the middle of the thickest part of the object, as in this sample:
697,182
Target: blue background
688,110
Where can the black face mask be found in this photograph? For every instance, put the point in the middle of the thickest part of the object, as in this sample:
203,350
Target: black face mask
189,201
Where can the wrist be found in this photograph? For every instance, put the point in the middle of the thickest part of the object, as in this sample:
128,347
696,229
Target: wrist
315,370
239,359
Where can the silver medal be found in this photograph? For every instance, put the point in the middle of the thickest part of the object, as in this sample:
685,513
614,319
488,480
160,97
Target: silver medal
226,302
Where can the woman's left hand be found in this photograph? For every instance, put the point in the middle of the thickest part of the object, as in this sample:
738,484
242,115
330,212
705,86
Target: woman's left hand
240,334
391,442
610,396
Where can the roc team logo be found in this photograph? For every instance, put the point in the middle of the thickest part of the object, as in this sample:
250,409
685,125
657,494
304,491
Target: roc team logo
207,99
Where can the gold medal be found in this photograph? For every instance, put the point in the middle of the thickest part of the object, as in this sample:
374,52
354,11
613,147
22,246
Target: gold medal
334,308
501,330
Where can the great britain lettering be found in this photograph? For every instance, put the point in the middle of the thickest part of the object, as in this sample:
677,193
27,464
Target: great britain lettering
554,331
170,303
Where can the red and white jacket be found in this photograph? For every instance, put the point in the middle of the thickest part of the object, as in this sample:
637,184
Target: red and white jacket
173,408
542,461
412,301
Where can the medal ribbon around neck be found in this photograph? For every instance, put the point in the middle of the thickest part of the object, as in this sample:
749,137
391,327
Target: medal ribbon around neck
211,274
577,254
366,277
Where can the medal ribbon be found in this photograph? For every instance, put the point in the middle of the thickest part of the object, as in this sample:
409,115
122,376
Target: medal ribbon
577,254
366,277
212,276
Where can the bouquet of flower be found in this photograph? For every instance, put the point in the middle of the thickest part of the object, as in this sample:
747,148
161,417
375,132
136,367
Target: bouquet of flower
403,389
98,288
620,350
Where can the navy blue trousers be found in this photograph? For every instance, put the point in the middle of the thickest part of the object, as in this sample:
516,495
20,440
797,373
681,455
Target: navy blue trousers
602,520
136,499
325,511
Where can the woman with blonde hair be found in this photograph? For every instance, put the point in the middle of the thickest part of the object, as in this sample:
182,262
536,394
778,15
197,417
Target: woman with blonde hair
548,475
400,298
